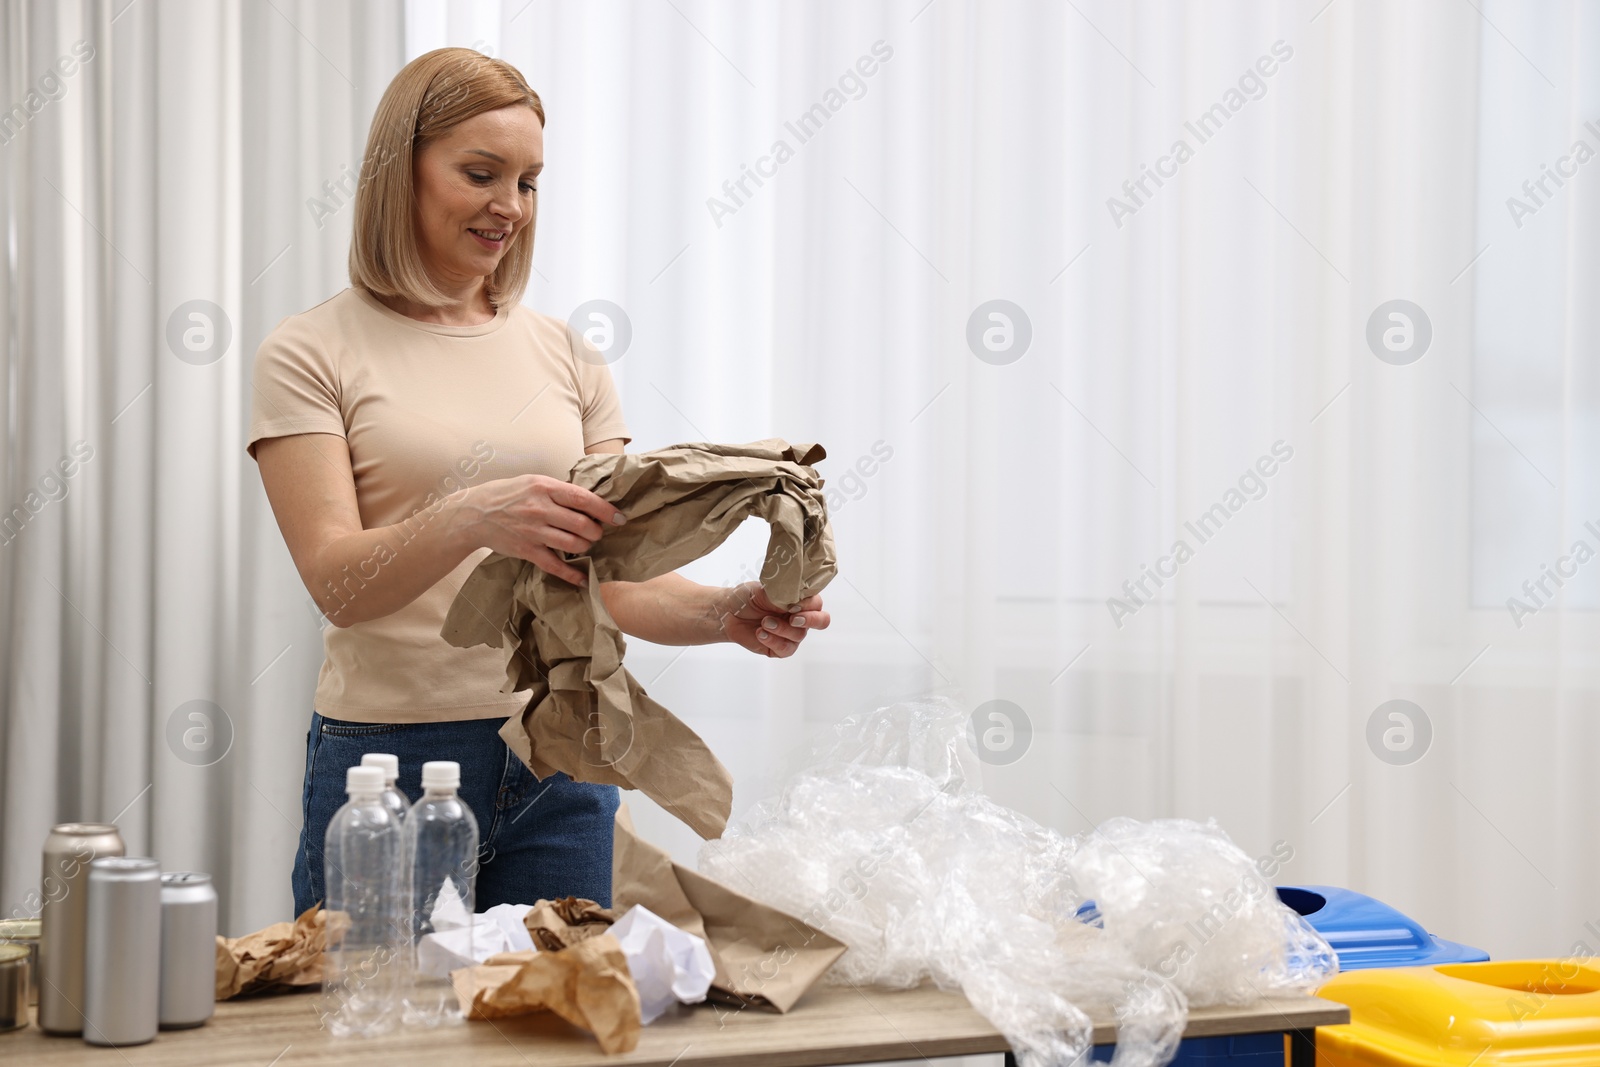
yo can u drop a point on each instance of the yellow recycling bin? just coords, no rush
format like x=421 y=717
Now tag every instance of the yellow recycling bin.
x=1531 y=1013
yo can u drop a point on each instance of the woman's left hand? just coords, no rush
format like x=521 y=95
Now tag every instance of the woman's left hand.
x=755 y=622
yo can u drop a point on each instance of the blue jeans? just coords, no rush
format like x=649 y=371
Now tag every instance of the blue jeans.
x=537 y=838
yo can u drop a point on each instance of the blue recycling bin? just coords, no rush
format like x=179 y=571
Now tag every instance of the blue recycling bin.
x=1368 y=933
x=1237 y=1050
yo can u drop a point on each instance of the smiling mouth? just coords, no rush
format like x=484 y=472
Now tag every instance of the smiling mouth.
x=489 y=235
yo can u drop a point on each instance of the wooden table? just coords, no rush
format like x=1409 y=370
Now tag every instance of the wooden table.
x=831 y=1025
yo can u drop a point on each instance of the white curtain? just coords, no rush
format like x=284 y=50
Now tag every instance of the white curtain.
x=991 y=501
x=176 y=164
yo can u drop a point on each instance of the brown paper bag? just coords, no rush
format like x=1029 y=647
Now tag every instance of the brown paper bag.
x=282 y=956
x=587 y=984
x=764 y=957
x=587 y=716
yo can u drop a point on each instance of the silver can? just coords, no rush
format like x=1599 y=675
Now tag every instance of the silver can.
x=188 y=949
x=13 y=987
x=64 y=889
x=24 y=932
x=122 y=952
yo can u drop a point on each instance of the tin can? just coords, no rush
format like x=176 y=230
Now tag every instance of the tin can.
x=122 y=952
x=68 y=851
x=13 y=987
x=24 y=932
x=188 y=949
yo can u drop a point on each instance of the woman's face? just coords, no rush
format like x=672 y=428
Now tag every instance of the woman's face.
x=475 y=192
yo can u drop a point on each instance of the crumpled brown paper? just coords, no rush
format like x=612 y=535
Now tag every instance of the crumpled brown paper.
x=764 y=957
x=559 y=924
x=587 y=715
x=284 y=955
x=586 y=983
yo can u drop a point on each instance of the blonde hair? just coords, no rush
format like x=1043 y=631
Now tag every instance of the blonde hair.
x=431 y=95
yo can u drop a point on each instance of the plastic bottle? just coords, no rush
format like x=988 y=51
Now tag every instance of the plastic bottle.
x=393 y=799
x=362 y=876
x=399 y=806
x=441 y=843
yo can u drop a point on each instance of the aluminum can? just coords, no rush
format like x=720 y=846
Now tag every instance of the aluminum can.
x=13 y=987
x=122 y=952
x=24 y=932
x=188 y=949
x=64 y=887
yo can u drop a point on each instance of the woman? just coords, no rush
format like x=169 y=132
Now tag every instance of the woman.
x=423 y=418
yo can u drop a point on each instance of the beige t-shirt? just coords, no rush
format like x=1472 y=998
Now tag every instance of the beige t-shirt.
x=426 y=410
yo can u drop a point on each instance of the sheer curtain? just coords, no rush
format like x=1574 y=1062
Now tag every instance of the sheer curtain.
x=959 y=244
x=161 y=214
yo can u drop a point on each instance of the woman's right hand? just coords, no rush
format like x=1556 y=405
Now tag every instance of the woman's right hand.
x=533 y=517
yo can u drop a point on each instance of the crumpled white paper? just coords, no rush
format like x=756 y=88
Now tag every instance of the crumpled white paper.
x=456 y=943
x=667 y=964
x=449 y=911
x=509 y=918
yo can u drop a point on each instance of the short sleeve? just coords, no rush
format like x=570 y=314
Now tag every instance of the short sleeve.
x=294 y=386
x=597 y=394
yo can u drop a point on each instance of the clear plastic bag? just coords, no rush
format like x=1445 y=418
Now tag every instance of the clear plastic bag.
x=1191 y=906
x=887 y=842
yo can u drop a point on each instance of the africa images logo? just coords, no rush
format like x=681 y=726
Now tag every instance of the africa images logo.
x=1251 y=86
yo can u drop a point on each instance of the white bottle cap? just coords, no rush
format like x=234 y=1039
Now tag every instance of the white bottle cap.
x=441 y=774
x=389 y=763
x=363 y=780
